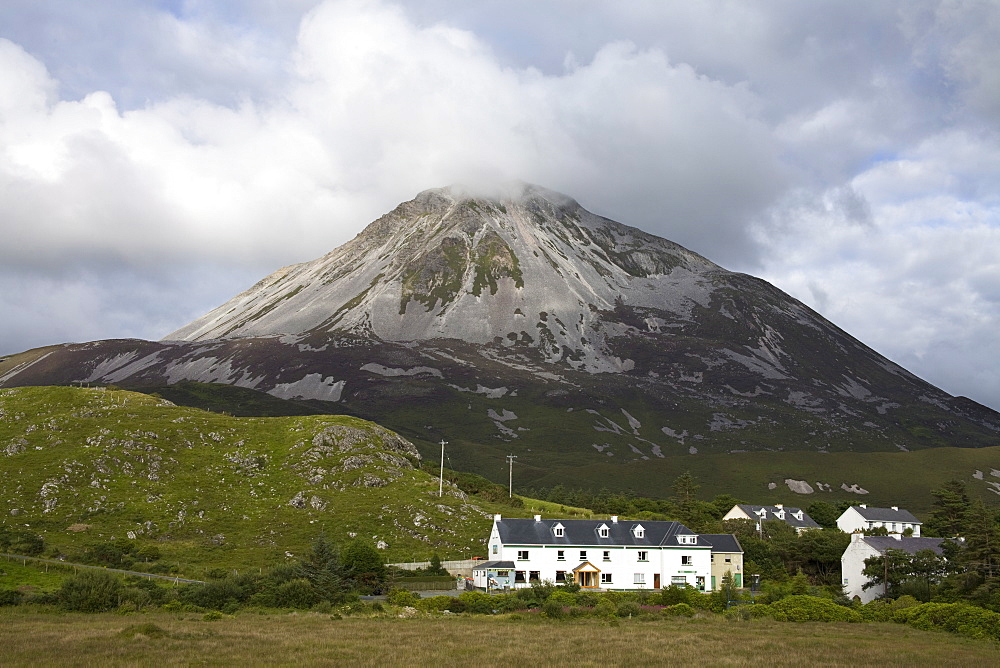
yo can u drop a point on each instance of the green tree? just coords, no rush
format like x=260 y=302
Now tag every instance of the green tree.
x=982 y=541
x=323 y=569
x=363 y=563
x=950 y=515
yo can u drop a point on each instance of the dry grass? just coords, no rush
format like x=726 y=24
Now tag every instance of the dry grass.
x=32 y=638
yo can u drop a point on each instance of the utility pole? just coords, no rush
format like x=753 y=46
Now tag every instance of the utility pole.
x=510 y=460
x=441 y=479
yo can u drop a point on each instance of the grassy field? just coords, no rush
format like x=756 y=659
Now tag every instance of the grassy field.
x=34 y=638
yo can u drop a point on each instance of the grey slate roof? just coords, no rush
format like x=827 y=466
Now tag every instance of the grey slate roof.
x=494 y=565
x=908 y=544
x=722 y=542
x=771 y=514
x=886 y=515
x=516 y=531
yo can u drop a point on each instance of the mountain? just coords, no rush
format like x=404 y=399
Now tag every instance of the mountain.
x=520 y=323
x=83 y=466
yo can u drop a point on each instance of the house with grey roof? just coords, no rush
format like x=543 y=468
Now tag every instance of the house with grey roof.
x=796 y=518
x=852 y=562
x=893 y=520
x=727 y=557
x=599 y=554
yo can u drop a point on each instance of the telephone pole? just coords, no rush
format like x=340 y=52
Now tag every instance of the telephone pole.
x=441 y=479
x=510 y=460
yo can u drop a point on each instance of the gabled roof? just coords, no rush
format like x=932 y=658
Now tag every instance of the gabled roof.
x=494 y=565
x=907 y=544
x=723 y=542
x=771 y=514
x=516 y=531
x=886 y=514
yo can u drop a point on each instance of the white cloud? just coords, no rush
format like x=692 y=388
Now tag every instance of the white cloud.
x=848 y=152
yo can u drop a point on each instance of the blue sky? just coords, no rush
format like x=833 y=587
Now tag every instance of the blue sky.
x=158 y=157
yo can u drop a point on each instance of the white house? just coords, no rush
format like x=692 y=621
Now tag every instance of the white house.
x=852 y=562
x=599 y=554
x=894 y=520
x=793 y=517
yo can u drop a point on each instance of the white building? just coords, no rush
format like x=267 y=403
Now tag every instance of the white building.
x=793 y=517
x=599 y=554
x=852 y=562
x=893 y=520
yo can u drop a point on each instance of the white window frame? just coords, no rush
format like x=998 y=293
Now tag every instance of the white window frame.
x=607 y=555
x=522 y=555
x=560 y=555
x=583 y=555
x=639 y=579
x=687 y=560
x=643 y=555
x=606 y=579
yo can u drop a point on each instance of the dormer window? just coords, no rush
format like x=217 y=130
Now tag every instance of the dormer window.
x=799 y=515
x=687 y=539
x=638 y=531
x=559 y=530
x=603 y=531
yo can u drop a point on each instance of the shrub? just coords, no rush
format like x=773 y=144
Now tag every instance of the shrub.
x=508 y=603
x=564 y=598
x=804 y=608
x=433 y=603
x=91 y=591
x=477 y=602
x=628 y=609
x=403 y=598
x=10 y=597
x=553 y=609
x=678 y=610
x=295 y=594
x=605 y=608
x=960 y=618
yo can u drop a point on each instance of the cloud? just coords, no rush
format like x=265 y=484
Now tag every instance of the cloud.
x=847 y=152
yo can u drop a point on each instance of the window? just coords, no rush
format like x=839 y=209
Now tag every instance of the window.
x=522 y=555
x=729 y=559
x=496 y=549
x=678 y=580
x=559 y=530
x=685 y=560
x=687 y=539
x=643 y=555
x=605 y=578
x=518 y=576
x=560 y=555
x=711 y=558
x=603 y=531
x=503 y=574
x=583 y=555
x=640 y=578
x=534 y=576
x=639 y=531
x=560 y=576
x=607 y=555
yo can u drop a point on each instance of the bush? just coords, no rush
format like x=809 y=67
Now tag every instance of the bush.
x=960 y=618
x=678 y=610
x=403 y=598
x=10 y=597
x=91 y=591
x=433 y=603
x=295 y=594
x=803 y=608
x=553 y=609
x=477 y=602
x=605 y=608
x=628 y=609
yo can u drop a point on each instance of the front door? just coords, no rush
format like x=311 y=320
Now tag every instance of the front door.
x=656 y=580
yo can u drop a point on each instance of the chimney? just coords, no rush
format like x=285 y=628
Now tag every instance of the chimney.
x=896 y=508
x=897 y=536
x=497 y=517
x=779 y=506
x=862 y=505
x=538 y=518
x=614 y=519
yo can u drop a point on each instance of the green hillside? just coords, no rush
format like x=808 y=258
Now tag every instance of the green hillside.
x=88 y=467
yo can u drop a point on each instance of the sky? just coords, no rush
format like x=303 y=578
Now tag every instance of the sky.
x=159 y=156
